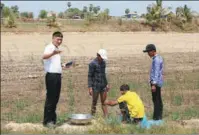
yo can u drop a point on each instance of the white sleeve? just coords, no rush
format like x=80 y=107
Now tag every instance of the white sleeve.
x=48 y=50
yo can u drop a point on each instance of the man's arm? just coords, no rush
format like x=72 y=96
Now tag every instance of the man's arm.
x=106 y=82
x=105 y=79
x=67 y=65
x=111 y=103
x=156 y=68
x=90 y=76
x=47 y=56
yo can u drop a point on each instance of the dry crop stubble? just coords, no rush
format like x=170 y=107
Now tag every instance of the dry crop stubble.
x=23 y=86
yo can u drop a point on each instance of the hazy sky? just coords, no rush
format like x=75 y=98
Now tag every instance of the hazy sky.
x=117 y=8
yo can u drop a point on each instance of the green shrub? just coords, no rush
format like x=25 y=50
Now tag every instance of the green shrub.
x=10 y=21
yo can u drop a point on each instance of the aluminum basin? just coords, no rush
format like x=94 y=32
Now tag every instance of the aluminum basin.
x=80 y=118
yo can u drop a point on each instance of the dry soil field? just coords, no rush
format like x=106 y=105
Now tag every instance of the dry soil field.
x=22 y=74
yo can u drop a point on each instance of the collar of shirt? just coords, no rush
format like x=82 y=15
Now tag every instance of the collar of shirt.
x=54 y=45
x=98 y=61
x=126 y=92
x=154 y=56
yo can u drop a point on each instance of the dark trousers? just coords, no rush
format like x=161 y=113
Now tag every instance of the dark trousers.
x=94 y=102
x=126 y=116
x=53 y=87
x=158 y=105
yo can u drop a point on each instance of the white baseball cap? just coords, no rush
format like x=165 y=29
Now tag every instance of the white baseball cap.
x=103 y=54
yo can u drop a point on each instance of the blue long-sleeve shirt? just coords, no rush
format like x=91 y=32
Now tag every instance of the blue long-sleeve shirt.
x=156 y=74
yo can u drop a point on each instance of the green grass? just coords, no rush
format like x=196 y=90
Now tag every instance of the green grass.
x=112 y=126
x=186 y=113
x=135 y=85
x=31 y=117
x=70 y=90
x=21 y=104
x=197 y=83
x=177 y=100
x=62 y=118
x=113 y=93
x=10 y=116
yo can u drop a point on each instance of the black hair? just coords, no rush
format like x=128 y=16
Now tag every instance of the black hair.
x=124 y=87
x=57 y=34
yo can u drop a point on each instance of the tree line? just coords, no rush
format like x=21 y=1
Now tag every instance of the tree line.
x=156 y=14
x=69 y=13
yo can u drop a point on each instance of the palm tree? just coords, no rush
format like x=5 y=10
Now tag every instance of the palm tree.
x=107 y=11
x=159 y=3
x=69 y=4
x=98 y=8
x=156 y=14
x=85 y=9
x=187 y=13
x=127 y=11
x=2 y=6
x=43 y=14
x=104 y=16
x=91 y=7
x=95 y=10
x=184 y=13
x=179 y=12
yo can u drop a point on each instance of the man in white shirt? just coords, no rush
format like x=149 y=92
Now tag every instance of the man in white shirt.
x=53 y=69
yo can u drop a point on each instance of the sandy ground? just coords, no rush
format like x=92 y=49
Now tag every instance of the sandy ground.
x=67 y=128
x=32 y=127
x=87 y=44
x=124 y=51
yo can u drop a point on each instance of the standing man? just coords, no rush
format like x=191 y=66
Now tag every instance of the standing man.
x=156 y=80
x=97 y=82
x=53 y=69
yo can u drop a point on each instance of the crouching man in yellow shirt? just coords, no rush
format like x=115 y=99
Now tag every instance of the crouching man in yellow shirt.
x=130 y=104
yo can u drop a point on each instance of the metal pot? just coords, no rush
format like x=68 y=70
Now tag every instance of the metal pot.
x=80 y=118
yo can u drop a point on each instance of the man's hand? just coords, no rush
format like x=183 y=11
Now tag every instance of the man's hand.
x=124 y=122
x=107 y=88
x=90 y=90
x=64 y=66
x=56 y=52
x=47 y=56
x=153 y=88
x=106 y=91
x=106 y=102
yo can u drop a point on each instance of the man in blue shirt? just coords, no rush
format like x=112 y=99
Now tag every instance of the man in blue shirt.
x=156 y=80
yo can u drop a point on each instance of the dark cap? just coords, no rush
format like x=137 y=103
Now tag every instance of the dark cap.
x=150 y=47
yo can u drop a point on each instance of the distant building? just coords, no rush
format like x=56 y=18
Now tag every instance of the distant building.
x=195 y=14
x=167 y=12
x=51 y=13
x=132 y=15
x=76 y=17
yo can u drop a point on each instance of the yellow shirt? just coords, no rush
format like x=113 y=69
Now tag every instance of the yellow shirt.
x=134 y=104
